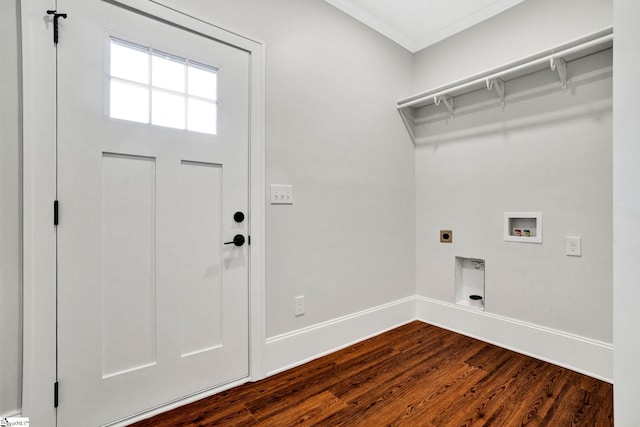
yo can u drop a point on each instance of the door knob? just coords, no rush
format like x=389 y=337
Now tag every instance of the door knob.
x=238 y=217
x=238 y=240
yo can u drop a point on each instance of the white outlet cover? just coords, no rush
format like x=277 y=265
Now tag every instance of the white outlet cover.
x=574 y=246
x=281 y=194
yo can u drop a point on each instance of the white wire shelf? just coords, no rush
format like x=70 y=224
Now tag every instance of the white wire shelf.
x=494 y=79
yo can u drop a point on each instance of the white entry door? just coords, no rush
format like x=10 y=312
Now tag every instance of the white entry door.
x=152 y=169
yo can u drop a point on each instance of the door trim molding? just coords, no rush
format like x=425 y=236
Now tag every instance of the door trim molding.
x=39 y=192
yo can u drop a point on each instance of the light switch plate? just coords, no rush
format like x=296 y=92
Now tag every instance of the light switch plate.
x=299 y=300
x=281 y=194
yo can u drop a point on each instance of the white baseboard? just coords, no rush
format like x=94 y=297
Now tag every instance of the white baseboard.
x=294 y=348
x=587 y=356
x=285 y=351
x=584 y=355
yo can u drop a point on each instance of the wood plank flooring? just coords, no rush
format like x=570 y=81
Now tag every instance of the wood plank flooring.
x=414 y=375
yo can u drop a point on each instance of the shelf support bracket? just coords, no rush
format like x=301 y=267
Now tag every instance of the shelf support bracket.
x=448 y=102
x=498 y=85
x=560 y=65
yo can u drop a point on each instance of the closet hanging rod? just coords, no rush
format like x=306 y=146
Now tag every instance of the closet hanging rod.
x=550 y=59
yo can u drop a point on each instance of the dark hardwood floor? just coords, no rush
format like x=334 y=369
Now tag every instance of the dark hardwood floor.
x=414 y=375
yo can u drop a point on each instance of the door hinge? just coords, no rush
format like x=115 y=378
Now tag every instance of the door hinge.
x=56 y=16
x=55 y=394
x=249 y=240
x=55 y=212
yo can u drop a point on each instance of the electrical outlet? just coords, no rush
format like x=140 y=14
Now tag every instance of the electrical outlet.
x=574 y=246
x=281 y=194
x=299 y=301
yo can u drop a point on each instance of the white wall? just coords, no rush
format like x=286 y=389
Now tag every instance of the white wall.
x=547 y=151
x=626 y=212
x=347 y=243
x=10 y=214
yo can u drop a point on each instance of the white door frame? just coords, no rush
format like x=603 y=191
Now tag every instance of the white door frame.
x=39 y=192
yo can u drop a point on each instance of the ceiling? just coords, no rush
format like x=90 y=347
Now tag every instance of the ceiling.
x=416 y=24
